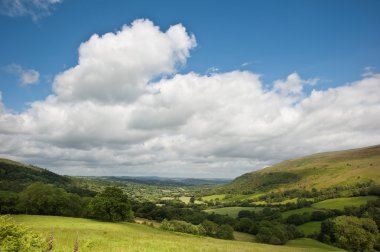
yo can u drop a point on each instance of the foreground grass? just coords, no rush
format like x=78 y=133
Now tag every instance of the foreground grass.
x=232 y=211
x=341 y=203
x=97 y=236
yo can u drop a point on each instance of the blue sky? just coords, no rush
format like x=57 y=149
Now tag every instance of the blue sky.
x=330 y=40
x=189 y=89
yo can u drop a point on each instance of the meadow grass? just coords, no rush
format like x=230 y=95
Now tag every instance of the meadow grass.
x=232 y=211
x=309 y=228
x=95 y=236
x=310 y=243
x=341 y=203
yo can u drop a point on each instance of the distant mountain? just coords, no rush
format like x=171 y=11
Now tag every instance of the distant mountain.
x=320 y=170
x=155 y=180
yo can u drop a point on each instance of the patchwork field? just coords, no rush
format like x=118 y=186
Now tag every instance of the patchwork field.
x=228 y=198
x=341 y=203
x=98 y=236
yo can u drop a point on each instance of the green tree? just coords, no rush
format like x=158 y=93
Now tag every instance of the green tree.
x=111 y=205
x=225 y=231
x=40 y=198
x=244 y=225
x=351 y=233
x=192 y=200
x=8 y=202
x=15 y=237
x=210 y=227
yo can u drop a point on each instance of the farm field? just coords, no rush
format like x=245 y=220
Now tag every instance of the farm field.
x=309 y=228
x=98 y=236
x=341 y=203
x=232 y=211
x=227 y=198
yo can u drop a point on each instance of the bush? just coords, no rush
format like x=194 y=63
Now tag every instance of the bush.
x=276 y=233
x=320 y=215
x=183 y=227
x=351 y=233
x=15 y=237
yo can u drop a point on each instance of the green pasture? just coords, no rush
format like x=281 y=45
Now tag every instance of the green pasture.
x=309 y=228
x=341 y=203
x=95 y=236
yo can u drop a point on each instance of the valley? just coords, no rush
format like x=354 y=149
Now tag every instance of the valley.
x=275 y=206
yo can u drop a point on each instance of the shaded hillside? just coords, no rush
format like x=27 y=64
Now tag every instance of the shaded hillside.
x=15 y=176
x=320 y=170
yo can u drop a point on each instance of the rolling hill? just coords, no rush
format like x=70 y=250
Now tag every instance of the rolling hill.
x=318 y=171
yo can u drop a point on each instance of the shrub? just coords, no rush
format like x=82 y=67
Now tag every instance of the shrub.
x=183 y=227
x=15 y=237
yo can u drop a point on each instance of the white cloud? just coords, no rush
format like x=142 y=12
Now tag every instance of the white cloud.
x=107 y=117
x=293 y=85
x=33 y=8
x=117 y=66
x=26 y=76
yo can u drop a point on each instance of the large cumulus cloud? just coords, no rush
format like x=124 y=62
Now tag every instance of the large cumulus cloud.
x=123 y=109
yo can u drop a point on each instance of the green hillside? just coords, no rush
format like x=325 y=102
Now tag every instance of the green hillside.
x=318 y=171
x=102 y=236
x=15 y=176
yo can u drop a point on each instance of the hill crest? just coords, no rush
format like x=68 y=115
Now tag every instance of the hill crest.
x=321 y=170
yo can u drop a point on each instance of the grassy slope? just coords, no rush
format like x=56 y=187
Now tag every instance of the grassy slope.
x=319 y=170
x=97 y=236
x=310 y=243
